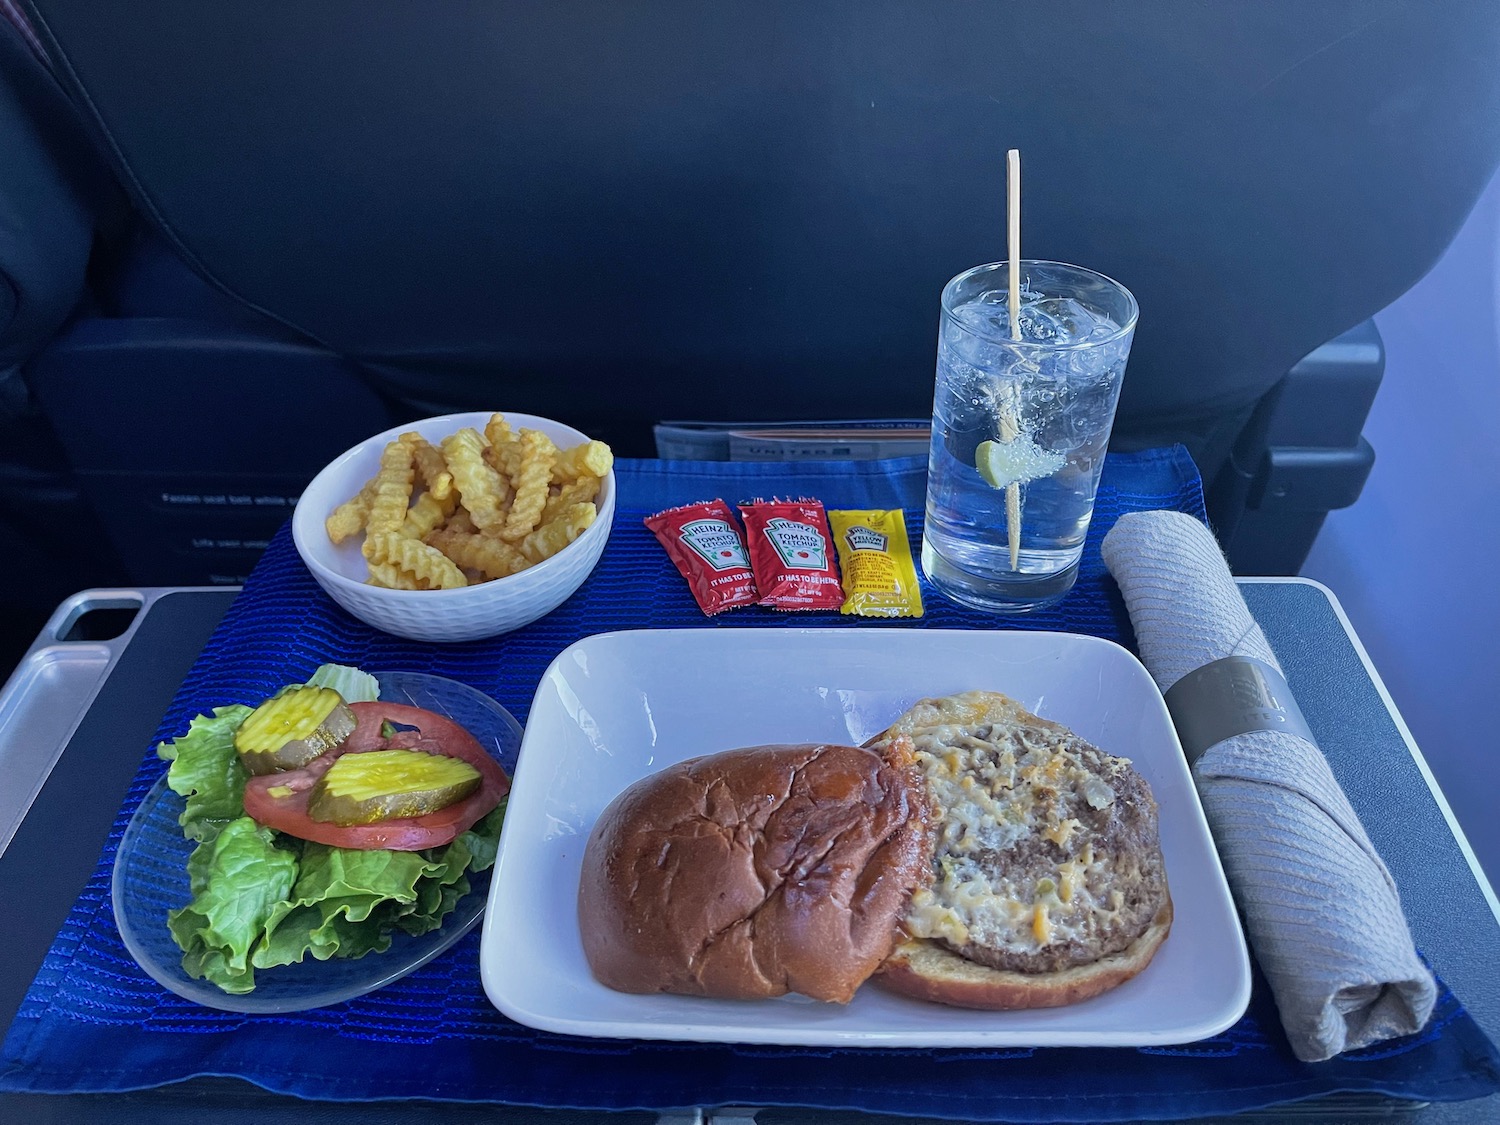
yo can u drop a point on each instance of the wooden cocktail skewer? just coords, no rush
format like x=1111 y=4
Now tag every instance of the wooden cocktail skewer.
x=1009 y=427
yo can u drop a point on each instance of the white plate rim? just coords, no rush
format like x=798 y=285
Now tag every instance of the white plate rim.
x=1235 y=952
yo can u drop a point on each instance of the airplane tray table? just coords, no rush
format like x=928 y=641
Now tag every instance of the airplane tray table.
x=116 y=692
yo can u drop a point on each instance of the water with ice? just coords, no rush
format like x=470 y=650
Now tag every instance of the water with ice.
x=1057 y=388
x=1053 y=321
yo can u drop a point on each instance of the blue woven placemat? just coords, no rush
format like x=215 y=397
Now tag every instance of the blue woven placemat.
x=93 y=1021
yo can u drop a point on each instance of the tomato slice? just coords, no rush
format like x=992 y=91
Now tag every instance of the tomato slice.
x=279 y=800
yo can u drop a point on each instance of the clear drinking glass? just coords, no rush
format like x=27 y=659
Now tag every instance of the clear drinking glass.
x=1020 y=428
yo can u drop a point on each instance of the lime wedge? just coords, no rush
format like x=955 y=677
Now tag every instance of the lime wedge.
x=1004 y=463
x=991 y=461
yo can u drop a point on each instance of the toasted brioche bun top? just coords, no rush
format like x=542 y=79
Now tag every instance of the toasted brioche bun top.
x=755 y=872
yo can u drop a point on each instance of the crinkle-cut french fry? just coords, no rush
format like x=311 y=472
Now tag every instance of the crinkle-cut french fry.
x=579 y=491
x=590 y=458
x=507 y=459
x=426 y=515
x=428 y=564
x=430 y=465
x=349 y=517
x=493 y=558
x=460 y=520
x=531 y=480
x=392 y=492
x=392 y=577
x=481 y=490
x=497 y=430
x=504 y=447
x=553 y=536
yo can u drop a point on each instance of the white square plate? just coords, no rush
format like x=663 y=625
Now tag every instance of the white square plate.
x=618 y=706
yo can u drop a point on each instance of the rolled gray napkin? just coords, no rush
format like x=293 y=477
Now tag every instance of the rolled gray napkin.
x=1321 y=909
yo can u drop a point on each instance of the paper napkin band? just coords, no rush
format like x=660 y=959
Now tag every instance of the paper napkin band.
x=1229 y=697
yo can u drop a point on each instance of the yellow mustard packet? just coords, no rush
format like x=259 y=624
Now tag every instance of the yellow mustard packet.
x=880 y=579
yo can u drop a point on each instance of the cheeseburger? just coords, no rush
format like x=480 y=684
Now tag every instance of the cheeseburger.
x=972 y=854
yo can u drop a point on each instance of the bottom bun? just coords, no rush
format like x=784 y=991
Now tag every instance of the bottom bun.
x=929 y=971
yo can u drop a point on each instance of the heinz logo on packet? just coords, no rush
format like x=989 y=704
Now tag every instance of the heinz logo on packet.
x=800 y=545
x=716 y=542
x=861 y=538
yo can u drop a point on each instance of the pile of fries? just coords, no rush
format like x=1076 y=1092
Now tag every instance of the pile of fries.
x=473 y=508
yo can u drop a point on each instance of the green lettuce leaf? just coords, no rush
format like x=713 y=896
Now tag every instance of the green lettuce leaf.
x=434 y=902
x=354 y=685
x=347 y=927
x=438 y=893
x=347 y=902
x=207 y=772
x=483 y=840
x=238 y=878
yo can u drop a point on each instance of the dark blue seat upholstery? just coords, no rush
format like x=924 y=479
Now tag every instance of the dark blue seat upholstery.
x=364 y=212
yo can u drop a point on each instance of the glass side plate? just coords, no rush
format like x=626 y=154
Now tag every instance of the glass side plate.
x=150 y=878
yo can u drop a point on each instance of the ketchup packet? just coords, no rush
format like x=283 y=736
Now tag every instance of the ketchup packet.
x=791 y=553
x=704 y=542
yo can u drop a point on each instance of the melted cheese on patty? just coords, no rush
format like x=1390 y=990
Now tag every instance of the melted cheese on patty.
x=1043 y=854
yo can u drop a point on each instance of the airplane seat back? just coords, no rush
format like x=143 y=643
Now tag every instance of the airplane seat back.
x=734 y=211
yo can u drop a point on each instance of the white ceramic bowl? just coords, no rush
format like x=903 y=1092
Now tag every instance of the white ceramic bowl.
x=485 y=610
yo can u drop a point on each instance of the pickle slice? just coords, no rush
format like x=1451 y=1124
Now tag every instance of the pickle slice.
x=376 y=785
x=292 y=728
